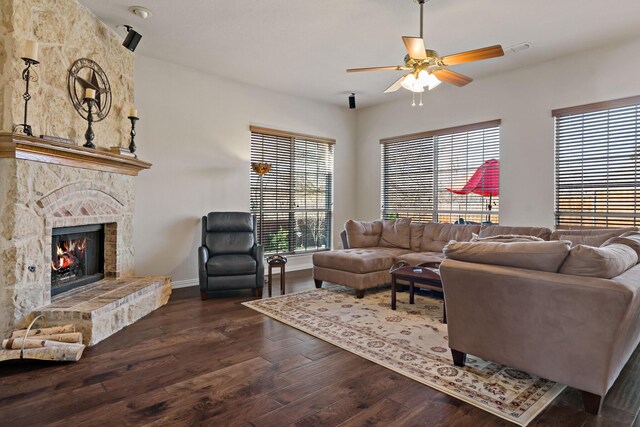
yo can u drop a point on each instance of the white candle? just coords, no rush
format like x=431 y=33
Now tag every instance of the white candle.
x=89 y=93
x=133 y=112
x=31 y=49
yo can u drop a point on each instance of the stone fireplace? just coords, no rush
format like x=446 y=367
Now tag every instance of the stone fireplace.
x=46 y=187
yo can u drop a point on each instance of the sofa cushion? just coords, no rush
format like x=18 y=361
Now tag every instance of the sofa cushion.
x=631 y=239
x=363 y=234
x=229 y=265
x=416 y=229
x=416 y=258
x=396 y=233
x=495 y=230
x=595 y=240
x=542 y=256
x=436 y=235
x=229 y=221
x=592 y=237
x=506 y=238
x=236 y=242
x=605 y=262
x=361 y=260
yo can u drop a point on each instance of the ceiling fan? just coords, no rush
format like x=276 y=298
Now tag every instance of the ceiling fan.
x=428 y=69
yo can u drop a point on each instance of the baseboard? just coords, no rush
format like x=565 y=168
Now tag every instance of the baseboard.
x=296 y=267
x=177 y=284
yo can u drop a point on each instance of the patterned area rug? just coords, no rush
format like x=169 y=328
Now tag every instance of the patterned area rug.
x=413 y=342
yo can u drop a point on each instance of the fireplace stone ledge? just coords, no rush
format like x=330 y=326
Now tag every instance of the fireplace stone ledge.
x=101 y=309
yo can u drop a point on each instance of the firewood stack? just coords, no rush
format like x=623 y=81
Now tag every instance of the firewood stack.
x=59 y=343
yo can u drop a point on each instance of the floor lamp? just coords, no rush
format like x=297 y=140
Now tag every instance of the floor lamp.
x=261 y=168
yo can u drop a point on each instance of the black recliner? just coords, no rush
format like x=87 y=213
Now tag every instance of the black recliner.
x=230 y=257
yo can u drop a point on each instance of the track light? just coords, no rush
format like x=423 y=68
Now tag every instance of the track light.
x=132 y=39
x=352 y=101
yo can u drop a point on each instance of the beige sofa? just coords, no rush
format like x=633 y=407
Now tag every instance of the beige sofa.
x=567 y=313
x=371 y=248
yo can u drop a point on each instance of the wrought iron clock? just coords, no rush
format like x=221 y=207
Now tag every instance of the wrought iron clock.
x=87 y=74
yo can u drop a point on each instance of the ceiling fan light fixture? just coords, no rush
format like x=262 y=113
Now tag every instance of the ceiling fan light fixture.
x=409 y=81
x=433 y=82
x=427 y=79
x=412 y=84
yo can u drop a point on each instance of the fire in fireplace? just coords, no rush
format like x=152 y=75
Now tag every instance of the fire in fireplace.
x=77 y=257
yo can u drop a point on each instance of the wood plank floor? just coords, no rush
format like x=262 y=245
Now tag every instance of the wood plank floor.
x=217 y=362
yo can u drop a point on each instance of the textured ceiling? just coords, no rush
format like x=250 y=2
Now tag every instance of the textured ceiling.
x=302 y=47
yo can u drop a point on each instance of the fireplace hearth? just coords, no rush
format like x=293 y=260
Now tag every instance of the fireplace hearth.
x=77 y=257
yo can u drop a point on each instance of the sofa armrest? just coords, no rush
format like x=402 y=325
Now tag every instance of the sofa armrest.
x=203 y=257
x=557 y=326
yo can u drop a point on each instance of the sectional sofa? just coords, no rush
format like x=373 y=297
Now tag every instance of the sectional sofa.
x=371 y=248
x=562 y=305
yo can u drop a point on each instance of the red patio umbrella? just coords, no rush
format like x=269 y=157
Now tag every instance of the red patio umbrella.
x=485 y=181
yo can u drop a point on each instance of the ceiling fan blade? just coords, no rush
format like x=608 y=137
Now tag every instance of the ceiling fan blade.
x=392 y=67
x=452 y=77
x=415 y=47
x=472 y=55
x=396 y=85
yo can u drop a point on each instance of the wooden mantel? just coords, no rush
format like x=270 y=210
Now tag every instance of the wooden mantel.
x=18 y=146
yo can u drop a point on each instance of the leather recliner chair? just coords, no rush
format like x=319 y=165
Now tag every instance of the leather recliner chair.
x=230 y=257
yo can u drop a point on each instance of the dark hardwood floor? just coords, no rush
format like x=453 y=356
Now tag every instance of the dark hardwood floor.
x=216 y=362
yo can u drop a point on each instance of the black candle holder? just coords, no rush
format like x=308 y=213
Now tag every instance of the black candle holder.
x=28 y=75
x=132 y=144
x=89 y=135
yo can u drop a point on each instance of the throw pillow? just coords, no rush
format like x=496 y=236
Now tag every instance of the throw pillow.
x=541 y=256
x=506 y=238
x=396 y=233
x=631 y=239
x=595 y=240
x=494 y=230
x=605 y=262
x=609 y=232
x=363 y=234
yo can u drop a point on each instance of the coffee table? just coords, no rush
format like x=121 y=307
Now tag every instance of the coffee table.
x=423 y=276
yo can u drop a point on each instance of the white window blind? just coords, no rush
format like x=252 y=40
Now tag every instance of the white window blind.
x=408 y=179
x=417 y=170
x=297 y=193
x=597 y=179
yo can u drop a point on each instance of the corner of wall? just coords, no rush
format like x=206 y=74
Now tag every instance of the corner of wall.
x=6 y=82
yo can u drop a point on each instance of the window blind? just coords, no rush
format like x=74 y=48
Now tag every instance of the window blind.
x=597 y=179
x=297 y=193
x=459 y=155
x=408 y=179
x=417 y=169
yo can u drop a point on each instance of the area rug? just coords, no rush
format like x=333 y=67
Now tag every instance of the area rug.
x=413 y=342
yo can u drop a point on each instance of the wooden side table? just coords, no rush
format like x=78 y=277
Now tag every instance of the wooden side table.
x=276 y=261
x=425 y=276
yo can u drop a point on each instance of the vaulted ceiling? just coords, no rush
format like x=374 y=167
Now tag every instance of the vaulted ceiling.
x=303 y=47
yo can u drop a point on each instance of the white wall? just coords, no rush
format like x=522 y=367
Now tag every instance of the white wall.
x=194 y=128
x=523 y=99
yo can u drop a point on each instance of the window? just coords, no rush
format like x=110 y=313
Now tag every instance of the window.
x=597 y=179
x=419 y=170
x=297 y=193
